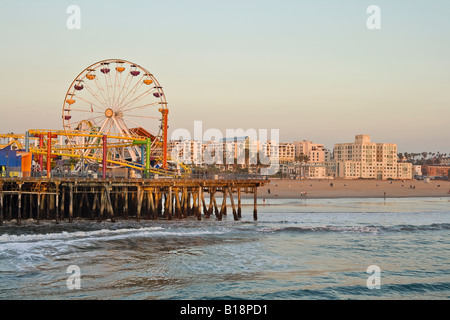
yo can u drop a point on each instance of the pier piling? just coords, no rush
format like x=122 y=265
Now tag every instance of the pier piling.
x=1 y=205
x=255 y=203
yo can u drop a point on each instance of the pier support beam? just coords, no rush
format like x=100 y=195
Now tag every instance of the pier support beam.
x=125 y=203
x=230 y=191
x=102 y=206
x=216 y=208
x=184 y=200
x=109 y=206
x=168 y=204
x=10 y=207
x=38 y=207
x=178 y=213
x=239 y=213
x=223 y=209
x=19 y=205
x=255 y=203
x=151 y=200
x=211 y=203
x=63 y=204
x=70 y=204
x=1 y=205
x=57 y=204
x=199 y=207
x=140 y=195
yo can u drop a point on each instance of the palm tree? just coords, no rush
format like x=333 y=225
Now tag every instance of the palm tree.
x=304 y=159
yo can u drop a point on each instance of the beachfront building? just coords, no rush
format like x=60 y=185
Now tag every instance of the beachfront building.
x=270 y=150
x=315 y=171
x=186 y=151
x=417 y=170
x=240 y=151
x=213 y=153
x=228 y=153
x=405 y=170
x=286 y=152
x=387 y=161
x=318 y=163
x=356 y=159
x=369 y=160
x=317 y=153
x=436 y=171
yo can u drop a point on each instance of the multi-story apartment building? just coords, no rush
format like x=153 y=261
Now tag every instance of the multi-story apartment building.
x=405 y=170
x=186 y=151
x=317 y=153
x=366 y=159
x=436 y=170
x=356 y=159
x=387 y=162
x=241 y=151
x=286 y=151
x=315 y=171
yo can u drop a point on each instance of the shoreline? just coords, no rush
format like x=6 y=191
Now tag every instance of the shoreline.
x=331 y=189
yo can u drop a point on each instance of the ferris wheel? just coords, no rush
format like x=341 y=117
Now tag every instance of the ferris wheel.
x=117 y=98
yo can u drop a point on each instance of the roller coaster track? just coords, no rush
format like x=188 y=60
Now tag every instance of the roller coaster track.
x=123 y=163
x=68 y=150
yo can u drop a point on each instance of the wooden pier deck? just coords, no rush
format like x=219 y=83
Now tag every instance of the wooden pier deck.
x=66 y=199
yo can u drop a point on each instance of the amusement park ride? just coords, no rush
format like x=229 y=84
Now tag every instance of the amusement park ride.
x=114 y=115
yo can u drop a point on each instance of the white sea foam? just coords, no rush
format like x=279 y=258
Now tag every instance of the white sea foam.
x=72 y=235
x=106 y=234
x=323 y=228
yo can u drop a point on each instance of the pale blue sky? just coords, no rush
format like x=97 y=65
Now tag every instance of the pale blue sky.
x=309 y=68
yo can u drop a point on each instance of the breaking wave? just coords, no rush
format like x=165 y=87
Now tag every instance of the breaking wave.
x=107 y=234
x=359 y=229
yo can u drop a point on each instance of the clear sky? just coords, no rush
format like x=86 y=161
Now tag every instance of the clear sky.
x=310 y=68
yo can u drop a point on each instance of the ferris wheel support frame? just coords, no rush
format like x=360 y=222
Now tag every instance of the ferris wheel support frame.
x=165 y=113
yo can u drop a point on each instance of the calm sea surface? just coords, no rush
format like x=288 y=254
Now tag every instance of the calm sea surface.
x=298 y=249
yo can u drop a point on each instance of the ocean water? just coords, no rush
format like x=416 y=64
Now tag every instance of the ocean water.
x=298 y=249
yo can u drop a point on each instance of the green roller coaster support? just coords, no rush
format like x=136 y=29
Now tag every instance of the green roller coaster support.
x=148 y=145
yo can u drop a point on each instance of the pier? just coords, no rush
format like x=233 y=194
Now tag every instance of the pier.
x=67 y=199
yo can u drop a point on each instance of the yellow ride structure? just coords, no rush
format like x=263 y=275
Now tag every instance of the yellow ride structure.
x=89 y=152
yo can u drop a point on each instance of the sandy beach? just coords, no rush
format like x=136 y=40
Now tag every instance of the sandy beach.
x=297 y=189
